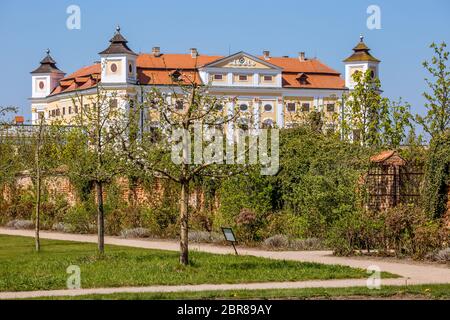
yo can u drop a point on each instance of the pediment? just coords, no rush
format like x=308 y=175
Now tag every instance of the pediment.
x=242 y=60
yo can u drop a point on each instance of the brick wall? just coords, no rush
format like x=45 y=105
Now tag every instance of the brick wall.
x=131 y=193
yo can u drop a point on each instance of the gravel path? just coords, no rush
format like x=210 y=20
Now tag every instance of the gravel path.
x=411 y=272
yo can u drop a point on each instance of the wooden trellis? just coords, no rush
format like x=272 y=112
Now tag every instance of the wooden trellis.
x=391 y=181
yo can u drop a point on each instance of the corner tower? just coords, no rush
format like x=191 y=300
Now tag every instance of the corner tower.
x=118 y=61
x=43 y=80
x=360 y=60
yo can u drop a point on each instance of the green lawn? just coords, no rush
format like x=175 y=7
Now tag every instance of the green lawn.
x=22 y=269
x=387 y=292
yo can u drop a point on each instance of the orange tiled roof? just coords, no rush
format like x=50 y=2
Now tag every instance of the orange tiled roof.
x=156 y=70
x=85 y=71
x=173 y=61
x=163 y=77
x=295 y=65
x=319 y=81
x=382 y=156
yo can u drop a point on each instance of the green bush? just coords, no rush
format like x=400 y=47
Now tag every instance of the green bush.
x=404 y=230
x=81 y=218
x=437 y=176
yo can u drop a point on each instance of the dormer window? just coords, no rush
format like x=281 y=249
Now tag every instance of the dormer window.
x=302 y=78
x=176 y=76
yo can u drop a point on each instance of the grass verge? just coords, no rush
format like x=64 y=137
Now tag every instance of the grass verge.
x=22 y=269
x=387 y=292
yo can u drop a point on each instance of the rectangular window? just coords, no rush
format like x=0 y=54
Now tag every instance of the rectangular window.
x=70 y=110
x=243 y=78
x=305 y=107
x=179 y=105
x=76 y=109
x=86 y=108
x=330 y=107
x=58 y=112
x=218 y=77
x=64 y=111
x=291 y=106
x=268 y=78
x=53 y=113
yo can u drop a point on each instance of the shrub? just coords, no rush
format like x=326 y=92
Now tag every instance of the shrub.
x=61 y=227
x=161 y=221
x=21 y=224
x=124 y=217
x=428 y=236
x=205 y=236
x=442 y=255
x=278 y=241
x=306 y=244
x=135 y=233
x=21 y=207
x=437 y=176
x=247 y=225
x=81 y=218
x=355 y=230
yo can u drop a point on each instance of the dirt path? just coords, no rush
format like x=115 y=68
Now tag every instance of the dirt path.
x=411 y=272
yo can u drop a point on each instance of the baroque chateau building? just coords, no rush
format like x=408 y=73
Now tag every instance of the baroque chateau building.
x=272 y=90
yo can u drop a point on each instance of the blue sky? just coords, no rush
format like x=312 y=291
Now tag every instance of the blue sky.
x=326 y=29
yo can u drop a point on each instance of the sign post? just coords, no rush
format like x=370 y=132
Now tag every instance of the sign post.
x=230 y=237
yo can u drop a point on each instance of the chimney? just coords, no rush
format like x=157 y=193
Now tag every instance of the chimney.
x=194 y=53
x=301 y=56
x=266 y=54
x=156 y=51
x=19 y=120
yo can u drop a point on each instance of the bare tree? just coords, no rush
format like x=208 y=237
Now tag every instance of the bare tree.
x=4 y=111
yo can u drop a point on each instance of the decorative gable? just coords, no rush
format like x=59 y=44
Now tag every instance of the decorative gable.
x=242 y=60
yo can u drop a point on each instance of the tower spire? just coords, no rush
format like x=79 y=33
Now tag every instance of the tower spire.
x=118 y=44
x=48 y=64
x=361 y=52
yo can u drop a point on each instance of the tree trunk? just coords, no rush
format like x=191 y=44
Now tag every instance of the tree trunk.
x=100 y=218
x=184 y=222
x=38 y=204
x=37 y=241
